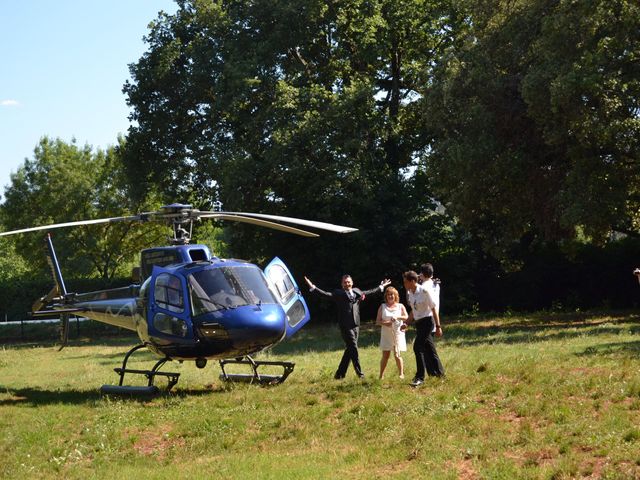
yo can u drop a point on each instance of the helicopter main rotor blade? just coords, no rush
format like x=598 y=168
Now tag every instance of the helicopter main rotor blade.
x=261 y=223
x=298 y=221
x=73 y=224
x=183 y=214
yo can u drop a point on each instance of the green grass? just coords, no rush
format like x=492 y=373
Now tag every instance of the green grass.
x=542 y=396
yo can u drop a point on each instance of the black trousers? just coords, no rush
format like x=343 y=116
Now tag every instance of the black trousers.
x=350 y=337
x=424 y=347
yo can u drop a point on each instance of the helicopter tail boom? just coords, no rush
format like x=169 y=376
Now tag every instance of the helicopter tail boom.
x=113 y=306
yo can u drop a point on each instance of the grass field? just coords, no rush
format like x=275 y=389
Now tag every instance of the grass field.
x=540 y=396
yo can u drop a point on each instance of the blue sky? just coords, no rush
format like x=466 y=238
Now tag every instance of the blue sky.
x=62 y=67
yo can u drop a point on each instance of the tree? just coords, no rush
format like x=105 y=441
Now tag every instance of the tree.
x=304 y=108
x=11 y=264
x=536 y=121
x=65 y=183
x=585 y=96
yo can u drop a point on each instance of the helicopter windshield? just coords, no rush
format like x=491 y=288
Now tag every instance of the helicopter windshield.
x=228 y=287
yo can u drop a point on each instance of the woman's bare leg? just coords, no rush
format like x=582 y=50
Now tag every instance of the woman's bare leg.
x=383 y=362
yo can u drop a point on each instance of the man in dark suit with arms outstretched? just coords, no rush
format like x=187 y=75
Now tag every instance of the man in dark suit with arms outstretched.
x=347 y=300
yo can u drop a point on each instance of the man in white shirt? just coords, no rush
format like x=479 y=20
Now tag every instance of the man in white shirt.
x=424 y=314
x=425 y=278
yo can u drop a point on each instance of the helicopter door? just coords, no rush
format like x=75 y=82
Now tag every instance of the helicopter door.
x=168 y=311
x=288 y=295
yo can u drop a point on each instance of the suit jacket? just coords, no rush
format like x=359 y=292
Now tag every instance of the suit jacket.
x=348 y=310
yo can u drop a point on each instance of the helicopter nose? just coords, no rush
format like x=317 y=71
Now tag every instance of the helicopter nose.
x=248 y=329
x=254 y=329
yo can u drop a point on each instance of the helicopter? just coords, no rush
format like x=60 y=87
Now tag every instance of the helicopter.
x=189 y=305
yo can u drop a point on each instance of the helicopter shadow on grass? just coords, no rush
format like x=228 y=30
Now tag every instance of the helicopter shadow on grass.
x=36 y=396
x=39 y=397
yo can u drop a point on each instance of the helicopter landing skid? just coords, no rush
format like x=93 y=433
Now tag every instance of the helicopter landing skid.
x=150 y=389
x=256 y=377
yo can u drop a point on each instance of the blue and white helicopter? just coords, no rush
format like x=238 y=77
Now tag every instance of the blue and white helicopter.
x=190 y=305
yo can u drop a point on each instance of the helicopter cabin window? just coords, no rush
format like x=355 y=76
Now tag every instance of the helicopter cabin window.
x=223 y=288
x=168 y=293
x=296 y=313
x=282 y=281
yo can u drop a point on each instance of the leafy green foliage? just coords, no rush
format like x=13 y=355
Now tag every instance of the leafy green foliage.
x=585 y=97
x=522 y=117
x=65 y=183
x=307 y=109
x=11 y=264
x=536 y=120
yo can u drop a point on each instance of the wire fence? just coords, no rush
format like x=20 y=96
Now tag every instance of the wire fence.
x=20 y=331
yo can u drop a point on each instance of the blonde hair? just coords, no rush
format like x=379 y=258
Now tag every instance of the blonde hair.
x=396 y=295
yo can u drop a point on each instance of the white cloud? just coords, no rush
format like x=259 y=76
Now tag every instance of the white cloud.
x=9 y=103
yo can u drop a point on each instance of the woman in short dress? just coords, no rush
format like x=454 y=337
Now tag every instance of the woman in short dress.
x=391 y=317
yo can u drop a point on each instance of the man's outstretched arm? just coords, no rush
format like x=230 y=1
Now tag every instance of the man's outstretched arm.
x=313 y=288
x=379 y=288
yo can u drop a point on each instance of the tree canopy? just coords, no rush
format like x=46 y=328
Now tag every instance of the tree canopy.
x=536 y=121
x=522 y=118
x=65 y=183
x=301 y=108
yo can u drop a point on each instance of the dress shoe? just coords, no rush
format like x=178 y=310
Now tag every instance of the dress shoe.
x=416 y=382
x=338 y=377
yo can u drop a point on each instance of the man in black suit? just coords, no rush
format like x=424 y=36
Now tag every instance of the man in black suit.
x=347 y=300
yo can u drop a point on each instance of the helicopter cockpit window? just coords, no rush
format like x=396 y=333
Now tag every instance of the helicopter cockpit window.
x=228 y=287
x=168 y=293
